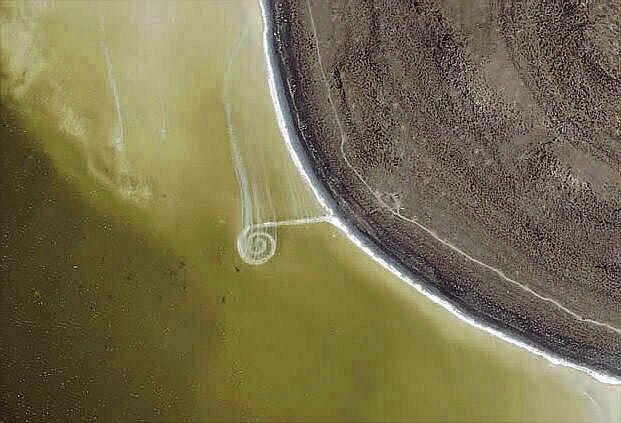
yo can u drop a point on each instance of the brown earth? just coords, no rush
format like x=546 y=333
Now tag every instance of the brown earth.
x=476 y=144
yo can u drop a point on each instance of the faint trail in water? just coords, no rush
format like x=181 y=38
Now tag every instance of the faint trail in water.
x=125 y=183
x=119 y=142
x=253 y=162
x=163 y=127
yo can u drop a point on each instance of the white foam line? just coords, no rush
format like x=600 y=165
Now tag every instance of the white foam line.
x=288 y=133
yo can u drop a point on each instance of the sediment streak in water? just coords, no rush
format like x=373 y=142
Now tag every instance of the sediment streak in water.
x=261 y=170
x=122 y=164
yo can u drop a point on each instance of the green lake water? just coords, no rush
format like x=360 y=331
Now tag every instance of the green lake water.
x=123 y=295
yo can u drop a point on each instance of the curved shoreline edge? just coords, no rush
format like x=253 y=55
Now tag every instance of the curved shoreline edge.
x=289 y=133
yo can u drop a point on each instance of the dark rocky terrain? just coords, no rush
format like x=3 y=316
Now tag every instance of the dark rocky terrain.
x=476 y=143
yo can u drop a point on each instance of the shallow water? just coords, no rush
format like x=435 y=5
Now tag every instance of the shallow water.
x=125 y=297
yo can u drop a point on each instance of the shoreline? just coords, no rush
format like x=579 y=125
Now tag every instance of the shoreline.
x=280 y=100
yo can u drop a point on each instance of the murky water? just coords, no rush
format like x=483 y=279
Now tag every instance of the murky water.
x=123 y=293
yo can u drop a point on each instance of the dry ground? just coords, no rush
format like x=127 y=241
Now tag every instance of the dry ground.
x=476 y=143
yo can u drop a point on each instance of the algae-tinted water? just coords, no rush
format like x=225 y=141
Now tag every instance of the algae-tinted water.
x=121 y=305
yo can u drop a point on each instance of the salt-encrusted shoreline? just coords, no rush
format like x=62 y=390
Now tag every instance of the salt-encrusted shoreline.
x=281 y=102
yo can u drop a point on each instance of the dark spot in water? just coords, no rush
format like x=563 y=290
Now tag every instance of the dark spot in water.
x=236 y=268
x=181 y=264
x=222 y=300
